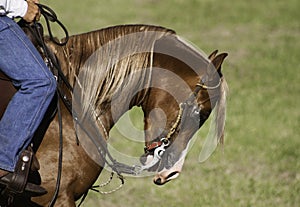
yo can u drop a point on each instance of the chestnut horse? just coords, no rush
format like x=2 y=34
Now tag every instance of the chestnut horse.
x=112 y=70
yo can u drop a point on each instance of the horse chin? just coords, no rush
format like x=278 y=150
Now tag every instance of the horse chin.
x=146 y=160
x=166 y=175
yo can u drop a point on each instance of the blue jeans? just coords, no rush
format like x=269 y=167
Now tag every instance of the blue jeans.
x=23 y=64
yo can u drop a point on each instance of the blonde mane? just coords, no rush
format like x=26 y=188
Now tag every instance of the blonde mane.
x=124 y=63
x=221 y=112
x=120 y=58
x=216 y=132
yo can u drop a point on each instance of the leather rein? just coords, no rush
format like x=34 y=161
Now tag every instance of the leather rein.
x=36 y=30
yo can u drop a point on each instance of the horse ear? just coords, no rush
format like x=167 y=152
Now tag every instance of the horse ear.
x=218 y=60
x=213 y=55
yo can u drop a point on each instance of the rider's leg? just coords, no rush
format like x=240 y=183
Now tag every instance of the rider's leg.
x=23 y=64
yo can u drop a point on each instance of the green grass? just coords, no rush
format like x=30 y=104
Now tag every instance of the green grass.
x=260 y=162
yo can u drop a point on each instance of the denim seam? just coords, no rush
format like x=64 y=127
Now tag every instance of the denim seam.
x=46 y=74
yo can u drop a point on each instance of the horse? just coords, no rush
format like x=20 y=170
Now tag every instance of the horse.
x=114 y=69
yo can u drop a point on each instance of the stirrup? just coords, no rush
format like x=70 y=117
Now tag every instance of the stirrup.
x=17 y=183
x=19 y=177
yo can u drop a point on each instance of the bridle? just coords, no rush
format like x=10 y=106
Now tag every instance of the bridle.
x=159 y=146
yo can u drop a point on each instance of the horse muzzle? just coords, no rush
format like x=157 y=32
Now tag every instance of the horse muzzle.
x=166 y=175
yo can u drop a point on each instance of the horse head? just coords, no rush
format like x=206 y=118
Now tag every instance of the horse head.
x=184 y=100
x=175 y=85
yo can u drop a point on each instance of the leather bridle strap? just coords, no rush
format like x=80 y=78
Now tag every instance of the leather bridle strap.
x=50 y=16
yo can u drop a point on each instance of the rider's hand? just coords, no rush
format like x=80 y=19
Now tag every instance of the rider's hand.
x=33 y=12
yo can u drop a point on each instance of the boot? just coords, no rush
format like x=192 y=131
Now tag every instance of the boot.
x=30 y=188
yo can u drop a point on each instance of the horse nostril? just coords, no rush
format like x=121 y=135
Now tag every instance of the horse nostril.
x=158 y=181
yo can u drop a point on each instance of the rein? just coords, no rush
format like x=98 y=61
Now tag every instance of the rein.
x=53 y=65
x=50 y=16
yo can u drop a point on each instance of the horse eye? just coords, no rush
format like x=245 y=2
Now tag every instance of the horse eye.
x=204 y=114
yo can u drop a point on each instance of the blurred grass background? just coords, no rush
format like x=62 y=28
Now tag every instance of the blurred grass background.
x=260 y=162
